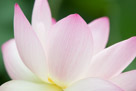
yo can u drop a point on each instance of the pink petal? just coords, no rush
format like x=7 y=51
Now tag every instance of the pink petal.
x=14 y=65
x=53 y=21
x=29 y=47
x=113 y=60
x=93 y=84
x=69 y=49
x=100 y=33
x=19 y=85
x=41 y=19
x=126 y=80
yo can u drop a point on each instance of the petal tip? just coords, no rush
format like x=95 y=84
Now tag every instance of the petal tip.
x=133 y=38
x=105 y=19
x=75 y=15
x=16 y=5
x=102 y=20
x=5 y=44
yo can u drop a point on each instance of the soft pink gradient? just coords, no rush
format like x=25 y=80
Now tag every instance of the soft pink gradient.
x=13 y=63
x=113 y=60
x=93 y=84
x=28 y=45
x=100 y=32
x=69 y=49
x=41 y=20
x=68 y=55
x=126 y=80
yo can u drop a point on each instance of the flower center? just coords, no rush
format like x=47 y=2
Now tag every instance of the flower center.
x=52 y=82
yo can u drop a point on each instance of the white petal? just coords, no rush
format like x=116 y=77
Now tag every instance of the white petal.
x=113 y=60
x=18 y=85
x=41 y=19
x=100 y=33
x=126 y=80
x=14 y=65
x=29 y=46
x=93 y=84
x=69 y=49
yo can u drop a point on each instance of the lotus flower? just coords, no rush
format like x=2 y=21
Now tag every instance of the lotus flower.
x=68 y=55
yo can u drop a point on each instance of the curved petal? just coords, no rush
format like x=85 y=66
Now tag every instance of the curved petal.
x=18 y=85
x=69 y=49
x=29 y=47
x=93 y=84
x=14 y=65
x=126 y=80
x=113 y=60
x=41 y=19
x=100 y=33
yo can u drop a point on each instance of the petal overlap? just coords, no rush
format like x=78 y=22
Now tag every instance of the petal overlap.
x=29 y=46
x=70 y=47
x=100 y=33
x=126 y=81
x=14 y=65
x=41 y=20
x=113 y=60
x=93 y=84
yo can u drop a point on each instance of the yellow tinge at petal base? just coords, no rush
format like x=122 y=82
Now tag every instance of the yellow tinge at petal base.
x=52 y=82
x=18 y=85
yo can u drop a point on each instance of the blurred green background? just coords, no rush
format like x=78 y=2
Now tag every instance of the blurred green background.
x=122 y=14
